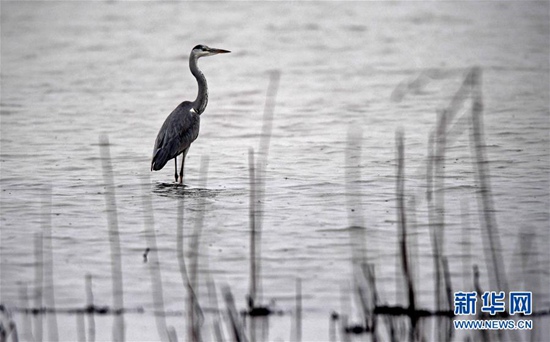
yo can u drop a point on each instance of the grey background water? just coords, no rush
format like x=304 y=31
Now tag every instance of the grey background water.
x=74 y=70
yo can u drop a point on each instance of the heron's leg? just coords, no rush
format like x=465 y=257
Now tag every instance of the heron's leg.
x=184 y=154
x=176 y=172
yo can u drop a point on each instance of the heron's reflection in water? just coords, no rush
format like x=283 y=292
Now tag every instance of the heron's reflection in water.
x=168 y=189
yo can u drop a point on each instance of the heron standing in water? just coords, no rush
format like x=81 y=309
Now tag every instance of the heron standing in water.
x=181 y=127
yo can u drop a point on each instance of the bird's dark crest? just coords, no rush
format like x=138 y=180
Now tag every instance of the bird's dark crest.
x=199 y=47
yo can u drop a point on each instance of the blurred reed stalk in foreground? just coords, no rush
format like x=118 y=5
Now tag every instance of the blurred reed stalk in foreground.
x=257 y=174
x=114 y=239
x=154 y=261
x=257 y=188
x=90 y=305
x=498 y=279
x=402 y=228
x=49 y=293
x=195 y=312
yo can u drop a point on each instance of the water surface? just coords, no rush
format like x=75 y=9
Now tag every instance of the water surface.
x=72 y=71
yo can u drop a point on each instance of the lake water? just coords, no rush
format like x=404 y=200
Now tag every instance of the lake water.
x=73 y=71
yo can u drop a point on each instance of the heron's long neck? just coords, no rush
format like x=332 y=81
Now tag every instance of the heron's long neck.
x=202 y=97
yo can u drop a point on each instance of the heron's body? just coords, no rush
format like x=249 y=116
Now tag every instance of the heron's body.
x=177 y=133
x=181 y=127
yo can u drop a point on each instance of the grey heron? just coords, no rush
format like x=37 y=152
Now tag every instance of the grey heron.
x=181 y=127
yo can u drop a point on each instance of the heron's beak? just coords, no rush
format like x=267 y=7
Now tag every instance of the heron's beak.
x=216 y=51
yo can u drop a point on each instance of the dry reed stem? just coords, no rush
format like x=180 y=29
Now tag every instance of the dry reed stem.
x=114 y=239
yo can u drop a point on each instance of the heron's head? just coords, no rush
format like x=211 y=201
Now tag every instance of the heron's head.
x=203 y=50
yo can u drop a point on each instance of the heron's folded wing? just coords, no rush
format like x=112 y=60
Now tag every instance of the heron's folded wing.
x=179 y=130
